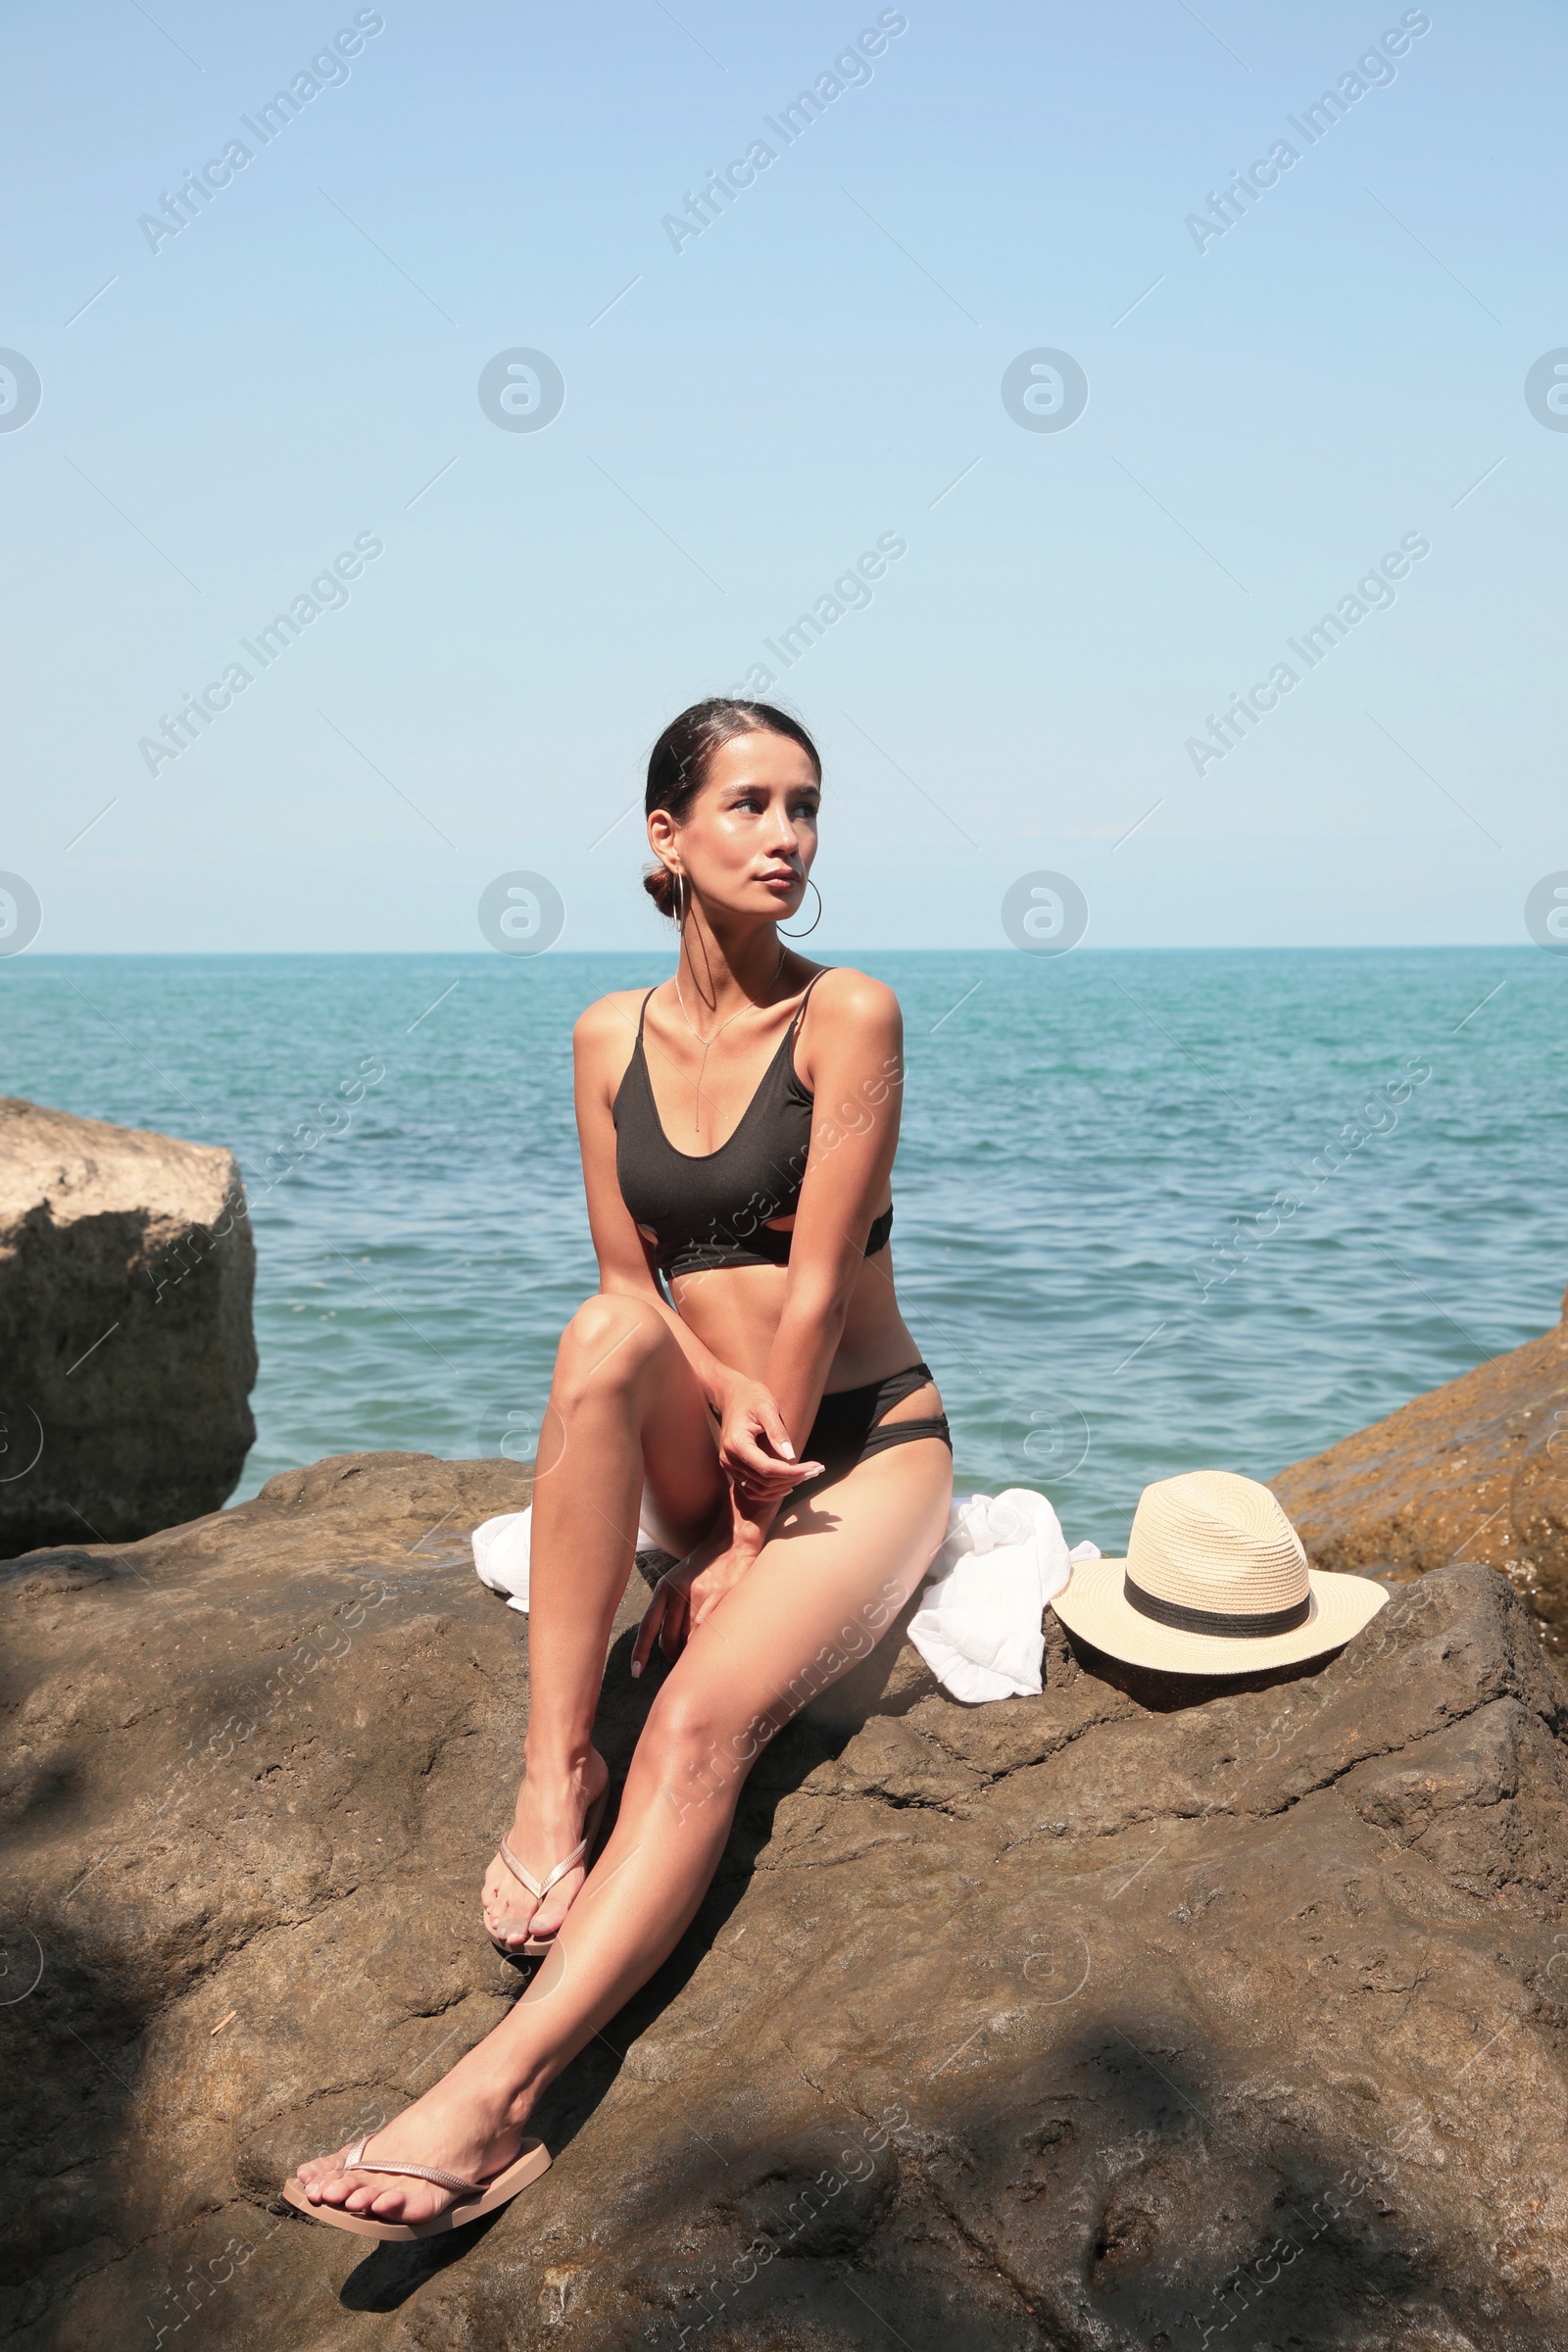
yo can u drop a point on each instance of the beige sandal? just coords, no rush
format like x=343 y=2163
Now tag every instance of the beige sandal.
x=474 y=2197
x=537 y=1945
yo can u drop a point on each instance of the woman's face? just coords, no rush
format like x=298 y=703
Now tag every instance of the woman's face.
x=750 y=836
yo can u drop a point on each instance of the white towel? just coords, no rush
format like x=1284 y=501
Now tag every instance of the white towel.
x=501 y=1549
x=978 y=1627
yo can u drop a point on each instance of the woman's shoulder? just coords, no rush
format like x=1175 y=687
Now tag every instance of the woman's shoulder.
x=851 y=1010
x=610 y=1023
x=853 y=996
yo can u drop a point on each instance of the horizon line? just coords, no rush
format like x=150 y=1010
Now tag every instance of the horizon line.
x=1417 y=947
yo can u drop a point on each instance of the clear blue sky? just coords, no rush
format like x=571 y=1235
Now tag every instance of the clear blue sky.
x=744 y=417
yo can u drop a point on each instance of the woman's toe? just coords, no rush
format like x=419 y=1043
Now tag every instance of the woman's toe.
x=502 y=1924
x=552 y=1912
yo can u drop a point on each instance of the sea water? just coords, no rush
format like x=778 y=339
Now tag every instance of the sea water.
x=1155 y=1211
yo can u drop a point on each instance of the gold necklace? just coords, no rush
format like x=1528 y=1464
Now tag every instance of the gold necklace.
x=708 y=1043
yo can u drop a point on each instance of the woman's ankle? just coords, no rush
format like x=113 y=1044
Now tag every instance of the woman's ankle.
x=521 y=2104
x=559 y=1763
x=490 y=2096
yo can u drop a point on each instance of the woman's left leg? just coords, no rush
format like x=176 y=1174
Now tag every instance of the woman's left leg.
x=819 y=1596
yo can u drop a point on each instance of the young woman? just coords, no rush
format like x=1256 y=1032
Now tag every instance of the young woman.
x=744 y=1365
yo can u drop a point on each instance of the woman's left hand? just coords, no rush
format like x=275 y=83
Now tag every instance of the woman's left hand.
x=755 y=1449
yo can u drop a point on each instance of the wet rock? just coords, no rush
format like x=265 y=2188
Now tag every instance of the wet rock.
x=1134 y=2015
x=126 y=1357
x=1476 y=1470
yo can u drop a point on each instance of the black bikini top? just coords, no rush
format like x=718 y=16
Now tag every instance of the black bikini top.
x=706 y=1212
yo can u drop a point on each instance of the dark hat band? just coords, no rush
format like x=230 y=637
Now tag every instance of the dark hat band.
x=1183 y=1620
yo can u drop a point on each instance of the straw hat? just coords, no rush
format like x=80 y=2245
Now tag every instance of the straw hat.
x=1215 y=1581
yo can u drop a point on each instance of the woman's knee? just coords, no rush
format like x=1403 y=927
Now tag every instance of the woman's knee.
x=605 y=1347
x=697 y=1746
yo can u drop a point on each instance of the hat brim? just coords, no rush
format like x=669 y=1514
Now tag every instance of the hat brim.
x=1094 y=1607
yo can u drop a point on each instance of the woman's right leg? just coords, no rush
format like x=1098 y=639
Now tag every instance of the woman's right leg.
x=625 y=1404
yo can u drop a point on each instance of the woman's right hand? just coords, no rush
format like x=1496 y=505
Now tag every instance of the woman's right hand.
x=755 y=1448
x=671 y=1614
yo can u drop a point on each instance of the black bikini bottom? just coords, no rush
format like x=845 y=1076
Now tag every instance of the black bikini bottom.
x=850 y=1426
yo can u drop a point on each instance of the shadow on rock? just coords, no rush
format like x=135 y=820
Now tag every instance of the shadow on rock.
x=71 y=2038
x=1160 y=1693
x=394 y=2272
x=1121 y=2196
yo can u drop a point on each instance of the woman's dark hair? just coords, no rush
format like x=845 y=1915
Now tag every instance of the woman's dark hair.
x=678 y=765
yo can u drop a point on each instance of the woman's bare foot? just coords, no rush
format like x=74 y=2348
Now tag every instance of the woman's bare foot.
x=458 y=2128
x=547 y=1824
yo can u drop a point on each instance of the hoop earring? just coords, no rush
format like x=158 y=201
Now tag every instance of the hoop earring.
x=680 y=912
x=811 y=925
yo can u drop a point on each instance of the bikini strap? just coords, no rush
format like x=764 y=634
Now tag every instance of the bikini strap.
x=894 y=1390
x=795 y=1025
x=643 y=1014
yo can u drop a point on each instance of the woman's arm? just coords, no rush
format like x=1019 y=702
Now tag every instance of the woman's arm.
x=856 y=1047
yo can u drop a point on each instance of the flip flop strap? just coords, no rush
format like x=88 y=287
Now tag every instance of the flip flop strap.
x=540 y=1887
x=359 y=2162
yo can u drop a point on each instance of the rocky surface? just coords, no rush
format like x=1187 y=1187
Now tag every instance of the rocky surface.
x=1474 y=1471
x=126 y=1357
x=1121 y=2017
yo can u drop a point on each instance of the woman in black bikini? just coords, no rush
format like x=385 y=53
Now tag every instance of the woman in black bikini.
x=744 y=1370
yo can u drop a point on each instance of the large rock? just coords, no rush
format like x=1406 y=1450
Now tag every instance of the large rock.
x=1474 y=1471
x=1123 y=2016
x=126 y=1357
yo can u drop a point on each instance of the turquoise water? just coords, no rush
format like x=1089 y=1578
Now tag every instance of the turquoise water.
x=1083 y=1138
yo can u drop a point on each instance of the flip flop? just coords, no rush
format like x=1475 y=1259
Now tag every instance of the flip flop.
x=474 y=2198
x=537 y=1945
